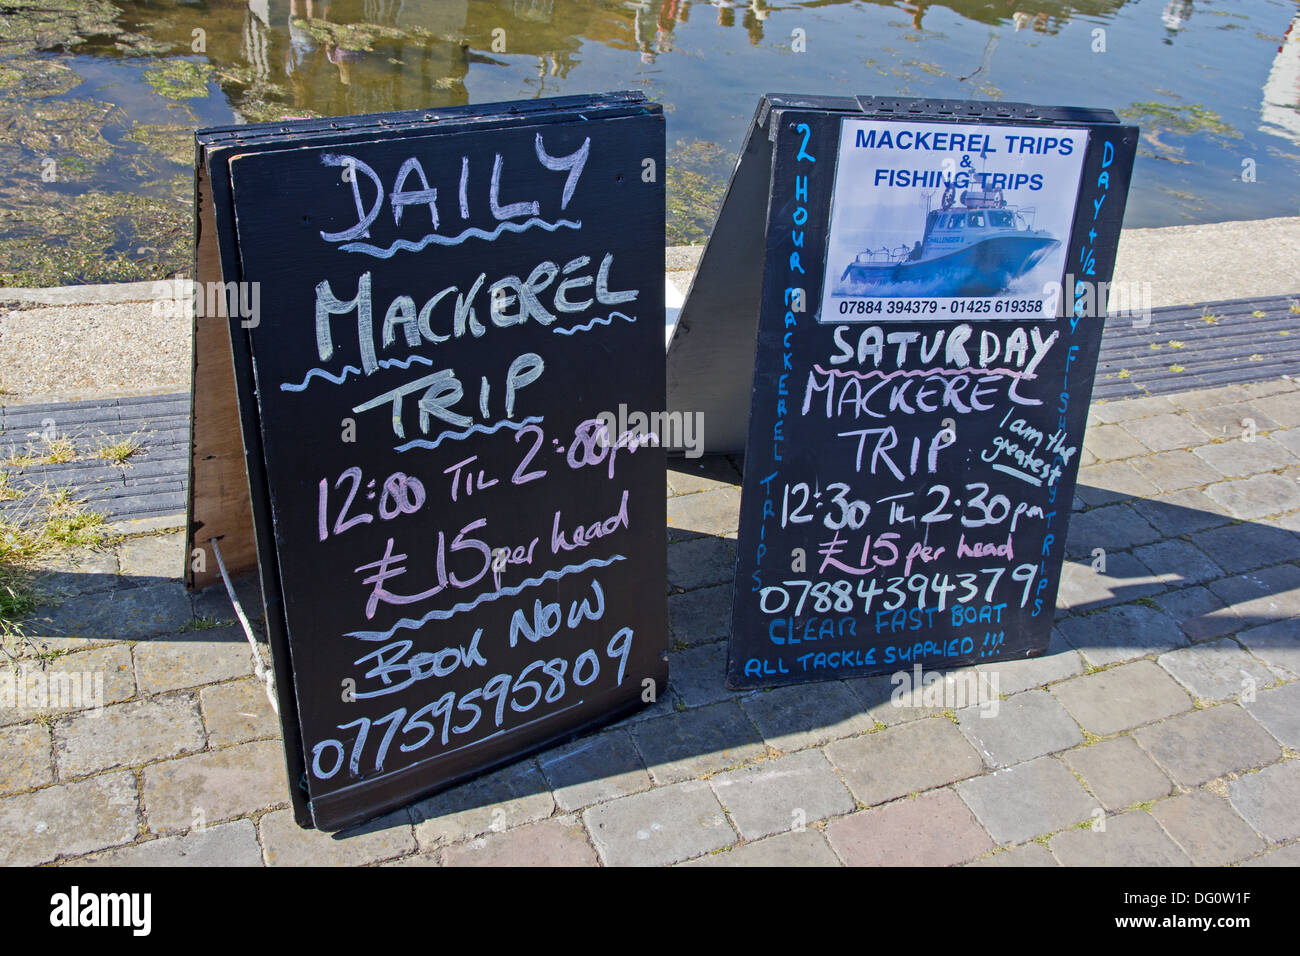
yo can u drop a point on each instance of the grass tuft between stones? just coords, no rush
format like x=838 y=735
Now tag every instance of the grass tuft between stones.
x=51 y=522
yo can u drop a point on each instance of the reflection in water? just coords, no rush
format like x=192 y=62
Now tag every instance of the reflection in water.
x=1280 y=113
x=1042 y=16
x=1175 y=17
x=362 y=56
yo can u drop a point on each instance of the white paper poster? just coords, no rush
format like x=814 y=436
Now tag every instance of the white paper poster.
x=949 y=221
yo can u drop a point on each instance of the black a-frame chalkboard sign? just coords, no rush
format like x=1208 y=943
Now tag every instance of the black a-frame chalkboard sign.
x=897 y=319
x=399 y=423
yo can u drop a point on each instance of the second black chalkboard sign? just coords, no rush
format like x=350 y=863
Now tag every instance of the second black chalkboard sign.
x=925 y=282
x=453 y=546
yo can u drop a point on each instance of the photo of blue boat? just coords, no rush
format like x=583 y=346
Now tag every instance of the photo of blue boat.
x=978 y=247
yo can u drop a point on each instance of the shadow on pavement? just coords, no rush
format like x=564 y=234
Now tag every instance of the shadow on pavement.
x=1141 y=578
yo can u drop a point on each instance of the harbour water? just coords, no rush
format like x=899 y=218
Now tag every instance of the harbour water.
x=99 y=98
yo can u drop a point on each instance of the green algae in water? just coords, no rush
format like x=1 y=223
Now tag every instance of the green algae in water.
x=49 y=239
x=34 y=77
x=1193 y=118
x=57 y=128
x=695 y=183
x=173 y=141
x=31 y=25
x=180 y=79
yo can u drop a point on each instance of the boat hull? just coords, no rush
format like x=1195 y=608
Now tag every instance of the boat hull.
x=985 y=268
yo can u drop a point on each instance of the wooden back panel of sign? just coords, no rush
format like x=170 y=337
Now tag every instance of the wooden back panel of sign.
x=452 y=552
x=923 y=363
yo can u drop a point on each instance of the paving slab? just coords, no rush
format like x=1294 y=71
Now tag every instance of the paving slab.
x=1279 y=711
x=1255 y=497
x=559 y=841
x=1242 y=457
x=1112 y=481
x=1265 y=596
x=1027 y=854
x=237 y=711
x=130 y=734
x=1118 y=634
x=62 y=575
x=1130 y=839
x=116 y=615
x=1110 y=527
x=1280 y=856
x=661 y=826
x=1218 y=670
x=1166 y=432
x=1026 y=726
x=709 y=473
x=1283 y=409
x=1061 y=662
x=1277 y=645
x=1176 y=470
x=1200 y=398
x=933 y=829
x=698 y=674
x=1199 y=746
x=1226 y=421
x=1209 y=831
x=701 y=616
x=1088 y=585
x=1131 y=409
x=509 y=797
x=284 y=843
x=191 y=659
x=593 y=769
x=213 y=787
x=28 y=761
x=153 y=556
x=1267 y=800
x=783 y=794
x=1200 y=613
x=807 y=848
x=421 y=859
x=909 y=758
x=701 y=562
x=227 y=844
x=72 y=683
x=1109 y=442
x=1244 y=547
x=806 y=715
x=885 y=700
x=1118 y=773
x=715 y=512
x=699 y=741
x=1028 y=800
x=1178 y=563
x=69 y=819
x=1181 y=512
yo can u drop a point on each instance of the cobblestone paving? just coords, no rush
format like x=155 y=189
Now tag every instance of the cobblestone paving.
x=1163 y=727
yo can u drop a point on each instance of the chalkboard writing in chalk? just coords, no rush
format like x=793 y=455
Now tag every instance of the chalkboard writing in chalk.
x=933 y=280
x=454 y=548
